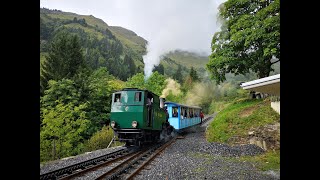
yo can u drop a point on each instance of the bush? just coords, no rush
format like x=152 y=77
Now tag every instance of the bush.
x=100 y=139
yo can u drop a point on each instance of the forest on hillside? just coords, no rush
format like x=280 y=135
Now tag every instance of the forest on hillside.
x=83 y=60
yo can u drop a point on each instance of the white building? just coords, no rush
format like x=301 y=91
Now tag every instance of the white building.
x=268 y=85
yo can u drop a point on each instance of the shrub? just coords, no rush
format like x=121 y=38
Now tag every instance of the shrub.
x=100 y=139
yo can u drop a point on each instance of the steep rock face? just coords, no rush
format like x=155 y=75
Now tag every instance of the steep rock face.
x=266 y=137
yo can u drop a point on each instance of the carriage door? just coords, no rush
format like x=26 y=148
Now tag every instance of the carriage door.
x=149 y=110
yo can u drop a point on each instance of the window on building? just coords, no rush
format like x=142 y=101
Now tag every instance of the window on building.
x=137 y=96
x=117 y=97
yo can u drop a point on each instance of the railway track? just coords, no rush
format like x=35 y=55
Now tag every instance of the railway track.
x=122 y=164
x=76 y=169
x=207 y=119
x=132 y=166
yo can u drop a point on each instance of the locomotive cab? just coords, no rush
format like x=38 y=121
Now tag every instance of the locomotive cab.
x=136 y=115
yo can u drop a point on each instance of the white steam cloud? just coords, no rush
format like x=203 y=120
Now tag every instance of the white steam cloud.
x=167 y=25
x=185 y=25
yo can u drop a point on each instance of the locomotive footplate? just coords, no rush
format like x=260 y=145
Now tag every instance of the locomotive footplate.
x=129 y=134
x=120 y=131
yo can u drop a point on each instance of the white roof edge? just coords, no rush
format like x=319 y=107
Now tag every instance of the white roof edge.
x=264 y=81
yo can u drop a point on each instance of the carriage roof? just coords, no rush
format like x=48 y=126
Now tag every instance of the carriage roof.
x=182 y=105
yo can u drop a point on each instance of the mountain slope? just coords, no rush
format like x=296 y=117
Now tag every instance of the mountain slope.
x=188 y=59
x=103 y=45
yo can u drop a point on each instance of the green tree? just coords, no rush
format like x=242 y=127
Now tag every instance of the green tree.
x=156 y=83
x=61 y=131
x=194 y=76
x=63 y=91
x=136 y=81
x=178 y=75
x=249 y=39
x=64 y=58
x=100 y=98
x=159 y=69
x=128 y=66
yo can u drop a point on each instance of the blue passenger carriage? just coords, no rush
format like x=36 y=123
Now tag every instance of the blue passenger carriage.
x=183 y=116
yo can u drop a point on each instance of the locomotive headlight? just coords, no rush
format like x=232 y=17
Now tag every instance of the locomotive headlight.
x=134 y=124
x=113 y=124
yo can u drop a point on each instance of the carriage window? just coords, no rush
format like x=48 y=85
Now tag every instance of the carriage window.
x=137 y=96
x=174 y=111
x=117 y=97
x=191 y=113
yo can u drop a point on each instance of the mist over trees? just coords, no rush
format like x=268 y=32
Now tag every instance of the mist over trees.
x=249 y=39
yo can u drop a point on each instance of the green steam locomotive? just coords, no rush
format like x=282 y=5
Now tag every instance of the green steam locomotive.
x=138 y=116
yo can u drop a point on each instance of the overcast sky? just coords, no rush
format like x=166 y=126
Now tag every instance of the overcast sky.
x=166 y=24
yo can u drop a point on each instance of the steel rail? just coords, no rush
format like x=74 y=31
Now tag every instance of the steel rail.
x=158 y=151
x=81 y=165
x=113 y=172
x=94 y=167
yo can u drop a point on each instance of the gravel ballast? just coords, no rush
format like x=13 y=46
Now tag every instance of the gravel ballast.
x=194 y=158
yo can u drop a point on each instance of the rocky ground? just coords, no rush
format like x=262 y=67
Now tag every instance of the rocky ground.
x=194 y=158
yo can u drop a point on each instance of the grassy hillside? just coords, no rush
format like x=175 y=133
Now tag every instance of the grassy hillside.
x=130 y=39
x=242 y=116
x=91 y=20
x=133 y=45
x=188 y=59
x=239 y=117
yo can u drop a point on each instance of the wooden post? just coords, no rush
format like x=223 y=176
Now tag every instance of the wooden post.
x=111 y=141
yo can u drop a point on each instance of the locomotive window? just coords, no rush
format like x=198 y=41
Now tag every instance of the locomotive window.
x=174 y=111
x=117 y=97
x=137 y=96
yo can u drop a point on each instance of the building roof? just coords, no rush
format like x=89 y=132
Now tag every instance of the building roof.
x=269 y=85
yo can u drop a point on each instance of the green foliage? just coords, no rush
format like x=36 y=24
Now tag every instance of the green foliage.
x=229 y=121
x=101 y=140
x=103 y=45
x=175 y=98
x=248 y=39
x=63 y=125
x=99 y=99
x=194 y=76
x=155 y=83
x=136 y=81
x=129 y=66
x=64 y=59
x=159 y=69
x=178 y=75
x=267 y=161
x=63 y=91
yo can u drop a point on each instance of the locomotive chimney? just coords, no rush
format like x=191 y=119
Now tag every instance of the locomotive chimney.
x=162 y=100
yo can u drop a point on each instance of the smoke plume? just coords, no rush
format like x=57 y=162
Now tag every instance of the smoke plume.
x=185 y=25
x=172 y=86
x=201 y=93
